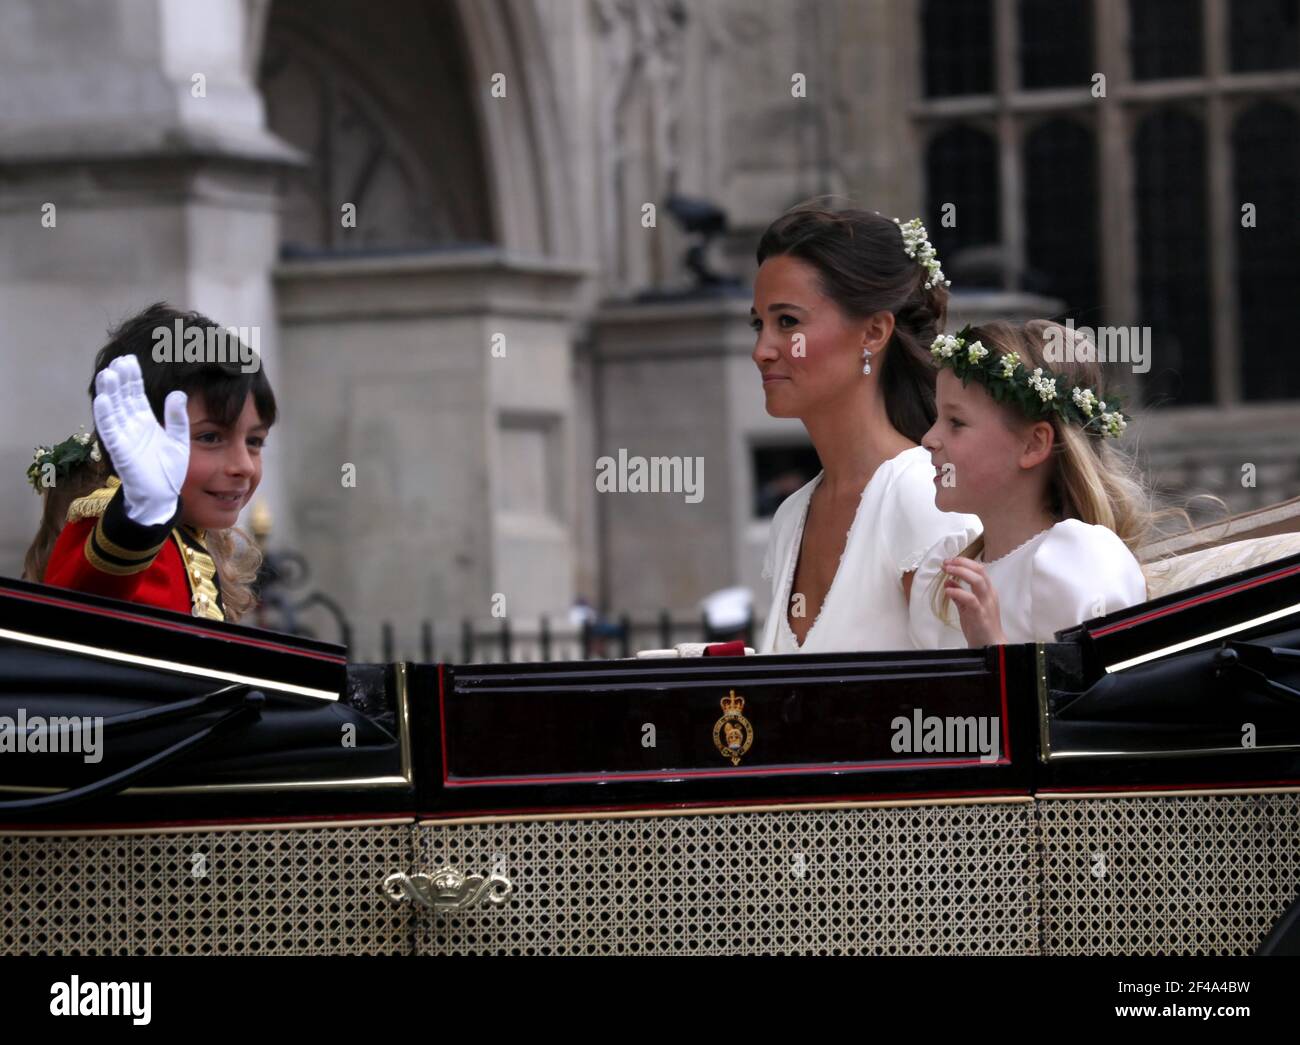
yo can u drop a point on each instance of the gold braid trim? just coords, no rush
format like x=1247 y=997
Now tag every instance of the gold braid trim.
x=124 y=553
x=201 y=573
x=93 y=504
x=112 y=568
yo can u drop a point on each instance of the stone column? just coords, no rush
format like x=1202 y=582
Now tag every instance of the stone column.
x=676 y=379
x=445 y=380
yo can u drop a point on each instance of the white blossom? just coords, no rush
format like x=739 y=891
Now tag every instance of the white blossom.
x=1114 y=424
x=1045 y=387
x=945 y=346
x=1085 y=400
x=916 y=245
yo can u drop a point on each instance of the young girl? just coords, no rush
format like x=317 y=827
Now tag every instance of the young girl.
x=1025 y=446
x=151 y=519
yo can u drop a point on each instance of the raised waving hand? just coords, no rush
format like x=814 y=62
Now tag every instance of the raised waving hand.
x=150 y=459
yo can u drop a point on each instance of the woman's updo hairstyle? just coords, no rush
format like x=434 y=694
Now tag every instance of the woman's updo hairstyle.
x=863 y=268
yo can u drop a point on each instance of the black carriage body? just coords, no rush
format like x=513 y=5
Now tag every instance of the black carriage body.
x=637 y=805
x=1140 y=699
x=325 y=739
x=652 y=733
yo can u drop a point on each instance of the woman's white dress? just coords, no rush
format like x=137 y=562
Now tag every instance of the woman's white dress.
x=895 y=524
x=1061 y=577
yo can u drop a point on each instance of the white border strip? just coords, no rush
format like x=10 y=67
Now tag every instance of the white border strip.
x=1178 y=647
x=716 y=810
x=166 y=665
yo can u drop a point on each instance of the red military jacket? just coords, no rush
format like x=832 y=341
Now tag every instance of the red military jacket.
x=103 y=551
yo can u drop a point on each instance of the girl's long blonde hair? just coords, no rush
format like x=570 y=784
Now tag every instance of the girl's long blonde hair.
x=57 y=499
x=1092 y=479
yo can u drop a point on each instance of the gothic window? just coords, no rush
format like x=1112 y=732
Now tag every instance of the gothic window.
x=382 y=111
x=1266 y=175
x=1126 y=206
x=1055 y=43
x=1061 y=234
x=1173 y=255
x=1165 y=39
x=1264 y=34
x=958 y=38
x=961 y=168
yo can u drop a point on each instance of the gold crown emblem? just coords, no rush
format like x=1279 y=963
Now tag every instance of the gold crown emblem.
x=732 y=704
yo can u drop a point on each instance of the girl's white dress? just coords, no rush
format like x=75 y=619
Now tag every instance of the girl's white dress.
x=896 y=522
x=1061 y=577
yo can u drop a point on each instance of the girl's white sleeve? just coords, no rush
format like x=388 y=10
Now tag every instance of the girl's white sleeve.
x=1081 y=571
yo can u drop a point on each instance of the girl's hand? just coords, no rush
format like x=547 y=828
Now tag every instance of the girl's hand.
x=981 y=621
x=150 y=460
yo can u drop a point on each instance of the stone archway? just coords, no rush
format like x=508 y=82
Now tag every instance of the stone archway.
x=460 y=453
x=530 y=168
x=402 y=108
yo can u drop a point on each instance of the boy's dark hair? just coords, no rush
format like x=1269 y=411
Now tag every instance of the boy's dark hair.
x=224 y=385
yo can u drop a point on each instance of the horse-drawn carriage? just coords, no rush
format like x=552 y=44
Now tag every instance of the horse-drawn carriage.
x=171 y=786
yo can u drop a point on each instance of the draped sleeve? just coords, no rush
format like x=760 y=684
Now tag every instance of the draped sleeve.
x=769 y=568
x=1081 y=571
x=926 y=629
x=780 y=535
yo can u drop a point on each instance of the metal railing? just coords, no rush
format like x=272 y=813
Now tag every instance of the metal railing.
x=506 y=641
x=288 y=604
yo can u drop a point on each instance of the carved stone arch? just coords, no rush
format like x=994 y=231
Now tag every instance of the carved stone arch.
x=526 y=169
x=529 y=168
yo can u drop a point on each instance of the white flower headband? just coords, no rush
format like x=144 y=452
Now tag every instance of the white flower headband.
x=64 y=456
x=916 y=245
x=1035 y=393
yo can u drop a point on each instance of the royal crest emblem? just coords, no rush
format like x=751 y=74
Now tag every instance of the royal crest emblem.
x=732 y=733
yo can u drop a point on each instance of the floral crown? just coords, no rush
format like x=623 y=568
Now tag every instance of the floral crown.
x=1037 y=393
x=66 y=457
x=916 y=245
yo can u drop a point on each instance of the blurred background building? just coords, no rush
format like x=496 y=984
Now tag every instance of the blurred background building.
x=435 y=212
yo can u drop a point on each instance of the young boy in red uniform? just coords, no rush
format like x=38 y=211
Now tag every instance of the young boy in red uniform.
x=161 y=528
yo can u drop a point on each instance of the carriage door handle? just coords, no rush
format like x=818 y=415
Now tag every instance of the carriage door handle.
x=447 y=889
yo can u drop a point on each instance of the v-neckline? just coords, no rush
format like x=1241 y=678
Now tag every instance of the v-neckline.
x=798 y=551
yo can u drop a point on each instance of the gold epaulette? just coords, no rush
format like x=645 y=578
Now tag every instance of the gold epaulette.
x=93 y=504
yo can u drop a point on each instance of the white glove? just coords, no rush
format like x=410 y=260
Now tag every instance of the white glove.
x=150 y=460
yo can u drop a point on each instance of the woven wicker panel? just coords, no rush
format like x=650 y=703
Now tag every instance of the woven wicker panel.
x=311 y=891
x=1178 y=875
x=916 y=880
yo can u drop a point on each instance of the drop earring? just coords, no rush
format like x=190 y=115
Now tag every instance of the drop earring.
x=866 y=360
